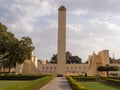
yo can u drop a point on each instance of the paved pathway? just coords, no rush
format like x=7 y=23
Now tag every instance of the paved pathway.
x=58 y=83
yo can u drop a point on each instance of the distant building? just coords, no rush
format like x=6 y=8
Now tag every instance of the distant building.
x=116 y=61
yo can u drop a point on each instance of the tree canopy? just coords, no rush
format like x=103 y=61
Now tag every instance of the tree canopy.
x=70 y=59
x=108 y=68
x=13 y=50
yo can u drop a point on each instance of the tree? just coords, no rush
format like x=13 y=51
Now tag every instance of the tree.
x=68 y=55
x=7 y=43
x=85 y=74
x=10 y=60
x=54 y=59
x=111 y=60
x=12 y=50
x=69 y=59
x=108 y=68
x=86 y=62
x=75 y=59
x=24 y=50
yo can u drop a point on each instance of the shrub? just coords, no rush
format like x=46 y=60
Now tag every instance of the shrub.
x=117 y=78
x=113 y=81
x=20 y=77
x=85 y=78
x=76 y=85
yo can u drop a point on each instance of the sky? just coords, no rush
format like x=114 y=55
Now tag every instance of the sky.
x=91 y=25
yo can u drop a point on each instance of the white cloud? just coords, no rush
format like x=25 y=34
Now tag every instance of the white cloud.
x=74 y=27
x=105 y=27
x=80 y=12
x=92 y=25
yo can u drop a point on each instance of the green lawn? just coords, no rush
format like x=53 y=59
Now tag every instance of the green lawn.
x=99 y=86
x=5 y=84
x=24 y=84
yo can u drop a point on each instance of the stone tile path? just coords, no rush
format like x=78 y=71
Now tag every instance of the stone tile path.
x=58 y=83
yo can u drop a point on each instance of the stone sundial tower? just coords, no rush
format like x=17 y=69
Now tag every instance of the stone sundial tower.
x=61 y=40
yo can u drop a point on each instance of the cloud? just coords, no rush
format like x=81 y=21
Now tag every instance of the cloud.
x=79 y=12
x=92 y=25
x=105 y=6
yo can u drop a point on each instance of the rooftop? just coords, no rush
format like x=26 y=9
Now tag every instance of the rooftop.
x=62 y=8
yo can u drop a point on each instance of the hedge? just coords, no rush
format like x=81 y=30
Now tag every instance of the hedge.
x=117 y=78
x=32 y=85
x=20 y=77
x=113 y=81
x=85 y=78
x=76 y=85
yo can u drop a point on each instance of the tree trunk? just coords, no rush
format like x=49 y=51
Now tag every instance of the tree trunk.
x=107 y=74
x=9 y=68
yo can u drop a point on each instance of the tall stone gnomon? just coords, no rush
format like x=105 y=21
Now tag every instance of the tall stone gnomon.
x=61 y=40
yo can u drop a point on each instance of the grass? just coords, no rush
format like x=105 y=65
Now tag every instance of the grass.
x=24 y=85
x=99 y=86
x=4 y=84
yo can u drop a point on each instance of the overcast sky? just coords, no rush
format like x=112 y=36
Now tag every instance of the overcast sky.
x=92 y=25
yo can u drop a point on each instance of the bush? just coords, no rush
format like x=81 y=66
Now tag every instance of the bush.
x=117 y=78
x=76 y=85
x=20 y=77
x=85 y=78
x=113 y=81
